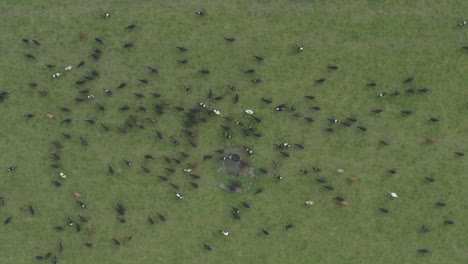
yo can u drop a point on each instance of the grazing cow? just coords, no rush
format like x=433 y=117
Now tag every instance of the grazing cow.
x=82 y=204
x=317 y=108
x=299 y=47
x=430 y=179
x=78 y=228
x=257 y=80
x=163 y=178
x=383 y=210
x=121 y=220
x=449 y=222
x=60 y=247
x=178 y=195
x=195 y=176
x=441 y=204
x=265 y=231
x=106 y=15
x=143 y=80
x=377 y=111
x=408 y=80
x=122 y=85
x=392 y=171
x=145 y=169
x=423 y=250
x=201 y=13
x=330 y=129
x=394 y=195
x=117 y=242
x=329 y=187
x=461 y=154
x=462 y=23
x=127 y=162
x=106 y=128
x=8 y=220
x=352 y=179
x=288 y=226
x=425 y=229
x=174 y=141
x=259 y=58
x=204 y=71
x=362 y=128
x=423 y=90
x=130 y=26
x=386 y=143
x=322 y=80
x=162 y=217
x=25 y=40
x=59 y=228
x=31 y=210
x=150 y=220
x=333 y=67
x=237 y=211
x=225 y=233
x=260 y=190
x=80 y=64
x=152 y=69
x=208 y=247
x=236 y=216
x=382 y=94
x=58 y=184
x=182 y=61
x=230 y=39
x=30 y=56
x=89 y=244
x=128 y=45
x=345 y=123
x=84 y=219
x=70 y=221
x=236 y=98
x=127 y=239
x=11 y=168
x=433 y=119
x=83 y=141
x=406 y=112
x=250 y=71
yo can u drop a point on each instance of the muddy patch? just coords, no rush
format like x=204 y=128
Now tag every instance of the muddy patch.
x=235 y=173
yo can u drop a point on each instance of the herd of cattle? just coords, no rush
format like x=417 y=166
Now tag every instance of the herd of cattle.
x=194 y=115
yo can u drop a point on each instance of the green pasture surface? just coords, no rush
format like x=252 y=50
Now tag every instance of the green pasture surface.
x=371 y=41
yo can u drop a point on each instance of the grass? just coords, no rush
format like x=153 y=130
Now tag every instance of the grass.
x=370 y=41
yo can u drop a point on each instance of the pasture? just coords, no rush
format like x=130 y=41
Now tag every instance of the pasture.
x=371 y=41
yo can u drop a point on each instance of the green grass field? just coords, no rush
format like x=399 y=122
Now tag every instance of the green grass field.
x=369 y=40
